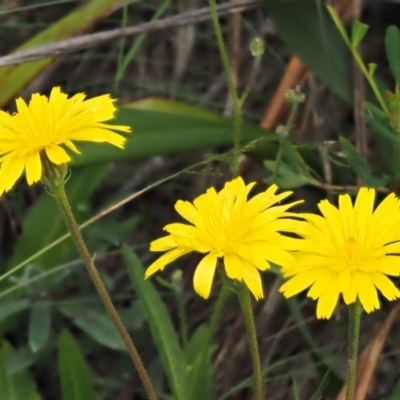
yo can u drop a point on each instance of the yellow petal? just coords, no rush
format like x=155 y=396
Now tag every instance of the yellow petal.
x=233 y=266
x=367 y=293
x=11 y=170
x=33 y=169
x=57 y=155
x=323 y=279
x=252 y=279
x=165 y=243
x=204 y=275
x=99 y=135
x=164 y=260
x=181 y=230
x=298 y=283
x=186 y=210
x=385 y=285
x=327 y=302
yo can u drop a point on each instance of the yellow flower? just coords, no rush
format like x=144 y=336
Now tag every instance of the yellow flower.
x=45 y=125
x=348 y=250
x=225 y=225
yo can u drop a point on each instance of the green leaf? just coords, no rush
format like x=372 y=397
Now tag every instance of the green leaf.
x=356 y=160
x=39 y=325
x=358 y=32
x=162 y=329
x=395 y=395
x=372 y=68
x=323 y=365
x=287 y=178
x=15 y=386
x=76 y=380
x=392 y=44
x=20 y=360
x=388 y=141
x=95 y=323
x=313 y=36
x=45 y=215
x=15 y=77
x=293 y=171
x=167 y=127
x=204 y=377
x=10 y=308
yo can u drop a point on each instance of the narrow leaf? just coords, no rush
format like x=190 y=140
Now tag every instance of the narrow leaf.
x=39 y=325
x=14 y=386
x=356 y=160
x=201 y=381
x=313 y=37
x=15 y=77
x=167 y=127
x=95 y=323
x=163 y=332
x=76 y=380
x=392 y=44
x=395 y=395
x=372 y=68
x=358 y=32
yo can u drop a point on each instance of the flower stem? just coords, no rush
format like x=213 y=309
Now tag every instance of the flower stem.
x=282 y=140
x=219 y=306
x=237 y=105
x=57 y=189
x=245 y=304
x=253 y=75
x=355 y=310
x=283 y=135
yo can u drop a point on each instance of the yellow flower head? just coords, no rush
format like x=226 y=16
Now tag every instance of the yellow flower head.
x=47 y=124
x=225 y=225
x=348 y=250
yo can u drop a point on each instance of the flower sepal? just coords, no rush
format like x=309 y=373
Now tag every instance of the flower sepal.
x=54 y=176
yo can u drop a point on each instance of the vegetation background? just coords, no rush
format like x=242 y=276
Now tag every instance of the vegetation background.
x=56 y=340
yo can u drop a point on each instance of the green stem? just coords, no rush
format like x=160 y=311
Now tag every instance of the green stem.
x=245 y=304
x=231 y=86
x=253 y=75
x=358 y=58
x=355 y=310
x=219 y=306
x=57 y=189
x=282 y=139
x=182 y=319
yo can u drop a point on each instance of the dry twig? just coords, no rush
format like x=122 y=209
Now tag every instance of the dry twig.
x=95 y=39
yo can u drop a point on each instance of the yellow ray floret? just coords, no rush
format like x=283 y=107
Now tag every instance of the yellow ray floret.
x=349 y=250
x=225 y=226
x=48 y=125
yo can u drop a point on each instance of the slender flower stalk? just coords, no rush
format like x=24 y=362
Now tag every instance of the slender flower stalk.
x=294 y=97
x=237 y=104
x=245 y=304
x=350 y=250
x=53 y=179
x=355 y=311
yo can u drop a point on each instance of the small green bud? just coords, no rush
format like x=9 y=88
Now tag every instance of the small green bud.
x=295 y=95
x=281 y=130
x=257 y=47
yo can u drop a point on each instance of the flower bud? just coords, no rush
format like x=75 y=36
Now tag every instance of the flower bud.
x=257 y=47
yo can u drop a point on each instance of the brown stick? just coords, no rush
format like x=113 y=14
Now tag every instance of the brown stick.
x=95 y=39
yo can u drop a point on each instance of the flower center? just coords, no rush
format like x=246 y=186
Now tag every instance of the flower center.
x=352 y=252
